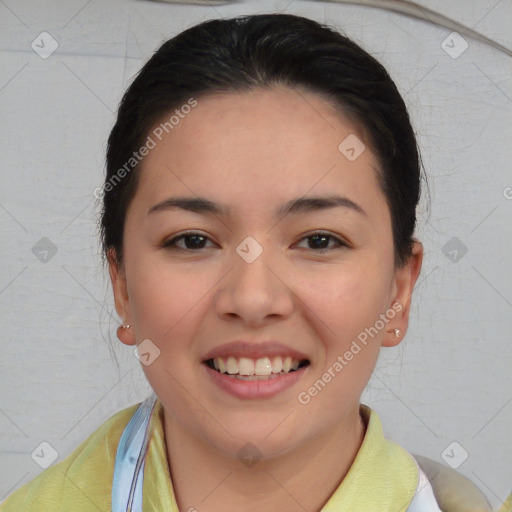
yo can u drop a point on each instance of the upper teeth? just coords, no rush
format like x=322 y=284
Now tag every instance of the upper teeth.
x=262 y=366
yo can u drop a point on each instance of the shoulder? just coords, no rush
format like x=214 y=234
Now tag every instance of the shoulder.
x=432 y=483
x=453 y=490
x=82 y=481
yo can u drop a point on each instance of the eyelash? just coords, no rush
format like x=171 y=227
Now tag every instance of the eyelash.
x=171 y=243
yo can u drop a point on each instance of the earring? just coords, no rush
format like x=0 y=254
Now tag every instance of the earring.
x=397 y=333
x=127 y=326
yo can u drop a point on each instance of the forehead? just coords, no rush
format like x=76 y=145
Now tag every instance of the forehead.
x=253 y=146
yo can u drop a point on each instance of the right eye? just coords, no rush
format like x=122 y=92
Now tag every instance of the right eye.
x=193 y=241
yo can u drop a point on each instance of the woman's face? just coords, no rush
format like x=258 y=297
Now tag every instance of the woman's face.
x=254 y=289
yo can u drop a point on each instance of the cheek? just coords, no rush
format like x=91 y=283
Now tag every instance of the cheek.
x=347 y=303
x=348 y=298
x=167 y=303
x=165 y=297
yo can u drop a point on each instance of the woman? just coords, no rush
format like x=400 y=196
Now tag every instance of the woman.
x=258 y=224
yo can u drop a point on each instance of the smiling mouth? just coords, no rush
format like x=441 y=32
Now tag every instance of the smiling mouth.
x=264 y=368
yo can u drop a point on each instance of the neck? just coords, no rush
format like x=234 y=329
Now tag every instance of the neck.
x=207 y=480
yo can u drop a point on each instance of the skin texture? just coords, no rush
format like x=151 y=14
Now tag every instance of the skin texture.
x=253 y=151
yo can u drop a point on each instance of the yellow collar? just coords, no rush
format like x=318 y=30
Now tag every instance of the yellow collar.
x=383 y=476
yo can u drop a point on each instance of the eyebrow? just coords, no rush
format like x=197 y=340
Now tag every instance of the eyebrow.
x=299 y=205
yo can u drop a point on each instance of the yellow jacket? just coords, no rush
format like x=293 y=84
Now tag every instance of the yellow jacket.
x=383 y=477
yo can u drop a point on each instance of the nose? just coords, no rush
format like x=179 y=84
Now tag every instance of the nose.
x=254 y=293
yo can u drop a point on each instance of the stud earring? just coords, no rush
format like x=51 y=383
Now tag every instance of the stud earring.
x=397 y=333
x=127 y=326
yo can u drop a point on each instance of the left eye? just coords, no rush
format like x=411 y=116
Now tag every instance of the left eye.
x=320 y=241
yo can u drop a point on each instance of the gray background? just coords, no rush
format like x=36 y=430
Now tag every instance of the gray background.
x=449 y=381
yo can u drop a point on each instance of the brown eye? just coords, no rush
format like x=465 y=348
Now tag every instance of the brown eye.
x=191 y=241
x=320 y=242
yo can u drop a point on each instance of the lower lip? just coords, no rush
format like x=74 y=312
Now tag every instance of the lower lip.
x=254 y=388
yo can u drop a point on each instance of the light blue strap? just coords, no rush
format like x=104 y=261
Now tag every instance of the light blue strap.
x=130 y=459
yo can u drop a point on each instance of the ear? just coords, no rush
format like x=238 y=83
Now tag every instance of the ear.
x=404 y=281
x=121 y=300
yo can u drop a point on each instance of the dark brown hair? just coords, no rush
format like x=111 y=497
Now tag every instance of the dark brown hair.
x=246 y=52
